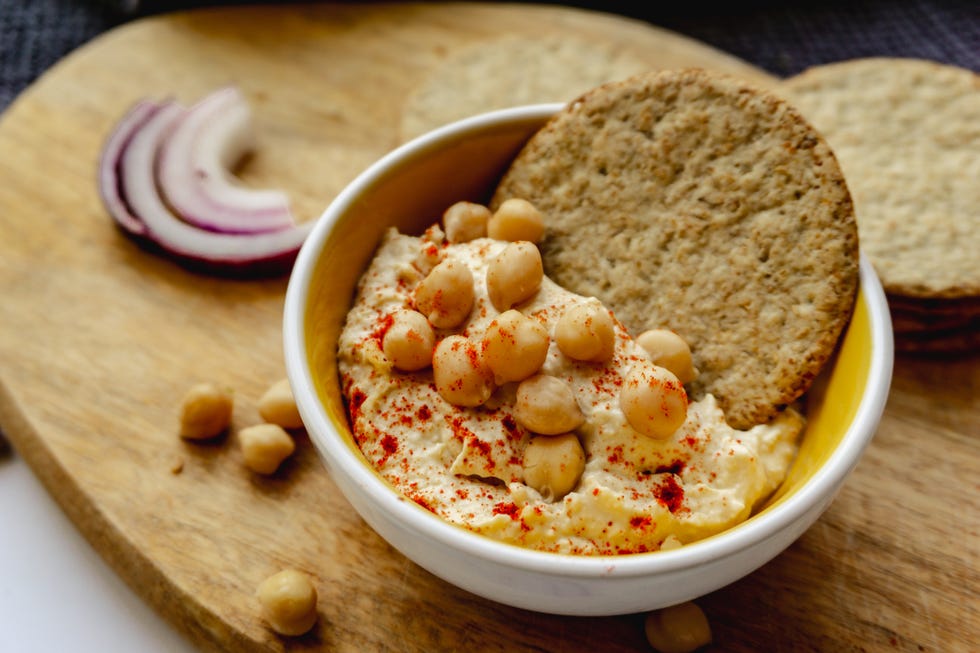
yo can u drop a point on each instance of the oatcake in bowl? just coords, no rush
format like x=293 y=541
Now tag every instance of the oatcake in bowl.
x=696 y=201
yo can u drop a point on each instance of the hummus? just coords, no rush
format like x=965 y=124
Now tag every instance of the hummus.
x=636 y=493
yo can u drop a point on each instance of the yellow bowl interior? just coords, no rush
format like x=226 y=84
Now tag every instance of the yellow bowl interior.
x=832 y=401
x=412 y=194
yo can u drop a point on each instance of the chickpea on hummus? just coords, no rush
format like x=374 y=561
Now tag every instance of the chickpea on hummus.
x=506 y=405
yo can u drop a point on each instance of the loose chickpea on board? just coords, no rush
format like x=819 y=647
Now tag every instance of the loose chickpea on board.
x=288 y=602
x=265 y=447
x=681 y=628
x=205 y=411
x=278 y=406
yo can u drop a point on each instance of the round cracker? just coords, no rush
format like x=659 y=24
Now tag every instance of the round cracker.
x=905 y=322
x=697 y=202
x=962 y=340
x=936 y=305
x=512 y=70
x=907 y=135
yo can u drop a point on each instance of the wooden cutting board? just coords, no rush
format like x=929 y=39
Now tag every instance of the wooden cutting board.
x=99 y=340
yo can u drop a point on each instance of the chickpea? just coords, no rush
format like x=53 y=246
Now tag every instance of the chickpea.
x=446 y=296
x=681 y=628
x=465 y=221
x=585 y=332
x=653 y=400
x=278 y=406
x=516 y=219
x=409 y=341
x=546 y=404
x=514 y=275
x=265 y=446
x=205 y=411
x=461 y=374
x=288 y=601
x=667 y=349
x=553 y=464
x=515 y=346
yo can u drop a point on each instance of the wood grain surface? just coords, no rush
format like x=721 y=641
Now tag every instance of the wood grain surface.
x=99 y=340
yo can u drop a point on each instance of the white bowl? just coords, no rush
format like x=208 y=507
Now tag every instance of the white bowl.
x=409 y=188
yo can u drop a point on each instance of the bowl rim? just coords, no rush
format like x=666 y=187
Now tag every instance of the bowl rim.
x=819 y=488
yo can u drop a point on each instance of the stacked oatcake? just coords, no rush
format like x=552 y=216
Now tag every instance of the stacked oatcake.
x=907 y=135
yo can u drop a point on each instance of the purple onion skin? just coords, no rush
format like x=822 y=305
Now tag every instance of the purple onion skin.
x=109 y=178
x=253 y=270
x=111 y=188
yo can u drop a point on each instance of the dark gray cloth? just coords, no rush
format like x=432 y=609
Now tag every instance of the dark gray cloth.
x=782 y=38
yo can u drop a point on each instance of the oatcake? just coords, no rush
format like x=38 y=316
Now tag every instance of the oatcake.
x=907 y=134
x=937 y=325
x=956 y=341
x=916 y=322
x=509 y=71
x=940 y=305
x=695 y=201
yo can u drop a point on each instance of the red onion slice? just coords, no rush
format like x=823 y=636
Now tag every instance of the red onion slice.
x=109 y=183
x=236 y=253
x=193 y=169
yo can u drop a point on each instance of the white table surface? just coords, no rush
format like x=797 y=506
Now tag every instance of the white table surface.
x=57 y=595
